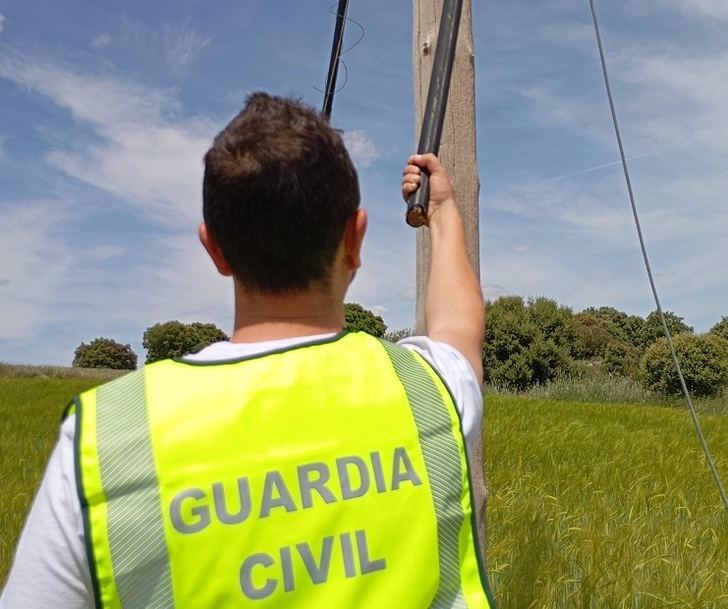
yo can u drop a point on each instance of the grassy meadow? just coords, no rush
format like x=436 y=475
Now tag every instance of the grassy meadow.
x=592 y=506
x=603 y=506
x=32 y=400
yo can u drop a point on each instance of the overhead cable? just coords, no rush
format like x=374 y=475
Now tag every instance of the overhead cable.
x=668 y=335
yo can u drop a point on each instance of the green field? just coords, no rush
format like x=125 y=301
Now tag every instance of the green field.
x=591 y=506
x=604 y=506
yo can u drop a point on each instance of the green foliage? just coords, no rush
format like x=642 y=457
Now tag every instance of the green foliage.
x=602 y=507
x=620 y=325
x=526 y=343
x=30 y=414
x=397 y=335
x=623 y=359
x=703 y=360
x=175 y=339
x=359 y=319
x=653 y=330
x=105 y=353
x=721 y=328
x=591 y=336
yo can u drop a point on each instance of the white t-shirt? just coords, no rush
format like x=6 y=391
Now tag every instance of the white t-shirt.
x=51 y=568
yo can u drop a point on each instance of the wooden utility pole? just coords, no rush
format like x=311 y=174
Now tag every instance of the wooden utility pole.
x=458 y=152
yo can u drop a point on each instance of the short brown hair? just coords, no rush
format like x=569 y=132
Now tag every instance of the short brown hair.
x=279 y=187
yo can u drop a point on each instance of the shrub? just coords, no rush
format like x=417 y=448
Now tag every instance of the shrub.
x=105 y=353
x=175 y=339
x=591 y=336
x=620 y=325
x=721 y=328
x=653 y=330
x=359 y=319
x=397 y=335
x=623 y=359
x=703 y=360
x=526 y=344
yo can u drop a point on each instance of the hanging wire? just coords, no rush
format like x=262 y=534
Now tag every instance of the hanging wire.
x=686 y=393
x=341 y=53
x=335 y=58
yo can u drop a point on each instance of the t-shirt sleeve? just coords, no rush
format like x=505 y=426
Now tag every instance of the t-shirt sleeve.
x=50 y=568
x=459 y=376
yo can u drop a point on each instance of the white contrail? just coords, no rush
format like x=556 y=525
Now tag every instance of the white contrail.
x=594 y=168
x=570 y=175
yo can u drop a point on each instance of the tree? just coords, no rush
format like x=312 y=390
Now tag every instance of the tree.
x=623 y=359
x=591 y=336
x=620 y=325
x=526 y=343
x=653 y=330
x=721 y=328
x=703 y=360
x=105 y=353
x=175 y=339
x=359 y=319
x=397 y=335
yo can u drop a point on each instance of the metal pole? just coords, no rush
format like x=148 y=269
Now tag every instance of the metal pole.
x=335 y=57
x=436 y=103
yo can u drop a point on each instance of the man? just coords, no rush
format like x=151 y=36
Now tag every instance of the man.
x=296 y=465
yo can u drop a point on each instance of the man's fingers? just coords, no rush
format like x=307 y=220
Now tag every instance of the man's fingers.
x=410 y=184
x=426 y=161
x=411 y=169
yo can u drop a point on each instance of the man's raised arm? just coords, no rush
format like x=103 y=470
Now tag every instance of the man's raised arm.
x=454 y=308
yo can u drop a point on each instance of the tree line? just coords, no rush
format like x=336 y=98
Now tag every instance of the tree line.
x=175 y=339
x=534 y=341
x=528 y=342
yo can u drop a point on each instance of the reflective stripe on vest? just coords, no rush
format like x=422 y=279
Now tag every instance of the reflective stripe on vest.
x=326 y=475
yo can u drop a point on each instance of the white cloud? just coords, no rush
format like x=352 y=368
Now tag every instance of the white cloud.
x=144 y=154
x=712 y=9
x=181 y=284
x=378 y=309
x=104 y=252
x=2 y=23
x=552 y=107
x=34 y=265
x=409 y=294
x=183 y=44
x=101 y=100
x=361 y=148
x=101 y=41
x=141 y=152
x=491 y=291
x=680 y=100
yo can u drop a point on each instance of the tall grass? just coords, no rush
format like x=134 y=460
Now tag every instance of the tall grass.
x=30 y=416
x=596 y=507
x=594 y=386
x=27 y=371
x=591 y=506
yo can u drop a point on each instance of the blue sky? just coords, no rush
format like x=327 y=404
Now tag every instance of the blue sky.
x=106 y=110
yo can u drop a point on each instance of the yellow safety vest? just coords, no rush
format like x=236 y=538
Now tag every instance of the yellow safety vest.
x=325 y=475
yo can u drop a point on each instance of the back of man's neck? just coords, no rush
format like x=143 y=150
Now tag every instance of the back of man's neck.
x=261 y=318
x=267 y=331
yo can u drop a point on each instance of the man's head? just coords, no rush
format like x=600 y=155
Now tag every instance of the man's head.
x=279 y=191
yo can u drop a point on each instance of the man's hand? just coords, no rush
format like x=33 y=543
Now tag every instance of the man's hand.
x=440 y=186
x=454 y=311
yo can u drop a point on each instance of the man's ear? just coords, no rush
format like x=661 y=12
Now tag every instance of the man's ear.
x=356 y=228
x=214 y=250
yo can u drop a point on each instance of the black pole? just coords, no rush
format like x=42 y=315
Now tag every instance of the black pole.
x=335 y=57
x=434 y=117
